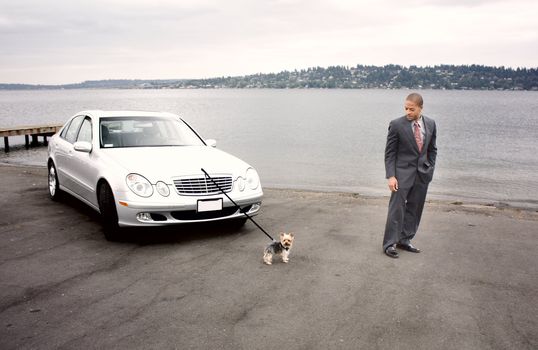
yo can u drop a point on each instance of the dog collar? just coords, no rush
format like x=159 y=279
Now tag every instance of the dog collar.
x=282 y=246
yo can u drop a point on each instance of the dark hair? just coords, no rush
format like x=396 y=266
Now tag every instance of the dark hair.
x=416 y=98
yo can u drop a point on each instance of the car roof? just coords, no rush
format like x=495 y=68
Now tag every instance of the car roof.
x=104 y=114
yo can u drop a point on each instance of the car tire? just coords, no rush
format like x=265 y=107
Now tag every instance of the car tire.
x=109 y=214
x=54 y=184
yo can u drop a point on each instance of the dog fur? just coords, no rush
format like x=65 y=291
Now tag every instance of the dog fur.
x=281 y=247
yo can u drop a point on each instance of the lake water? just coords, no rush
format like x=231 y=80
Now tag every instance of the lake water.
x=329 y=140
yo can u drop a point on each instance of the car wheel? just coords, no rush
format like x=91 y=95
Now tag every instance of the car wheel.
x=109 y=214
x=54 y=184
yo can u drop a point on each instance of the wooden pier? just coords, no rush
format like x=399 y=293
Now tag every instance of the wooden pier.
x=30 y=130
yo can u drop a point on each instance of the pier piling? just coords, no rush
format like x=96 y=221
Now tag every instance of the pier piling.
x=32 y=130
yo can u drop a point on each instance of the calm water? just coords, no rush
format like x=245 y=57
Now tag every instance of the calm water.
x=331 y=140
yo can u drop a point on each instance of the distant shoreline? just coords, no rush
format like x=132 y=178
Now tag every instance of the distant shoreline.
x=439 y=77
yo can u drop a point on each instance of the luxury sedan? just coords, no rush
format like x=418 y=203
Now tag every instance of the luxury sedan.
x=147 y=169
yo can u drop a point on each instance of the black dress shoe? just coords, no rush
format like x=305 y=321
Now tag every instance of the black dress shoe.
x=409 y=247
x=391 y=251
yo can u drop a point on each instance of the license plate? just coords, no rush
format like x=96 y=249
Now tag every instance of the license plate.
x=210 y=205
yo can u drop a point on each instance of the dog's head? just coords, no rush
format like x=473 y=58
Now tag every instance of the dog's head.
x=286 y=239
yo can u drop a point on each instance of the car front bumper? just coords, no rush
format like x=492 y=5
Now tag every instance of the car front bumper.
x=135 y=212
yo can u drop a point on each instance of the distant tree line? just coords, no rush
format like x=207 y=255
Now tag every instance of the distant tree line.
x=447 y=77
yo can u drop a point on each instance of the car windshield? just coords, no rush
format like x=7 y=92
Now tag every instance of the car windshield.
x=116 y=132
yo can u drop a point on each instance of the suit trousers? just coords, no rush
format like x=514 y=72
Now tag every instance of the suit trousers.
x=405 y=211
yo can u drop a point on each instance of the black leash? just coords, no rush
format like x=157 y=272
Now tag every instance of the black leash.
x=237 y=206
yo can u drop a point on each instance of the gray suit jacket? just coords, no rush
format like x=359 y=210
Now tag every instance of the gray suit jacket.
x=402 y=158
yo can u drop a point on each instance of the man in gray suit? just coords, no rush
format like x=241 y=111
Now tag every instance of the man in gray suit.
x=410 y=156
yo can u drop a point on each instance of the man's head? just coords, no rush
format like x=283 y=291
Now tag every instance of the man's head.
x=413 y=106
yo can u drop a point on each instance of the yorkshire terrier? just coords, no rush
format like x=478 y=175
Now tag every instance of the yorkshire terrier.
x=281 y=248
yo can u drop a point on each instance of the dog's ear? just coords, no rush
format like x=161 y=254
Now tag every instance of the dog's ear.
x=282 y=234
x=291 y=235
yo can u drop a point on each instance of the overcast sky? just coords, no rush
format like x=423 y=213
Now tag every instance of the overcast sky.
x=56 y=42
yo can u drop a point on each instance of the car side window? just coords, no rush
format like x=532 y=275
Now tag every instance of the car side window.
x=64 y=130
x=85 y=133
x=72 y=131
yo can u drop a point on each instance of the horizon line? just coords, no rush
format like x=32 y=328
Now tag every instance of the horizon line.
x=282 y=71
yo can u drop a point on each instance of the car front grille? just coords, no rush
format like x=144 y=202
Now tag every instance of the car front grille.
x=201 y=186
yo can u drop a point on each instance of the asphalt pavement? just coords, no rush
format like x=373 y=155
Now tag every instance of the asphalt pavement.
x=63 y=286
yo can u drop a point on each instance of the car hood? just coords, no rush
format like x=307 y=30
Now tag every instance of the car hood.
x=164 y=163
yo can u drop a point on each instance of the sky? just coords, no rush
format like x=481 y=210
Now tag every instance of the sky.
x=70 y=41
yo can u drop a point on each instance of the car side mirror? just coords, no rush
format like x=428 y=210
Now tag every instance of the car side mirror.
x=211 y=142
x=83 y=146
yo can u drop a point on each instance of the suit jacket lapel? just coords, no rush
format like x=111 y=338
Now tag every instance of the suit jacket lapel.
x=408 y=130
x=427 y=133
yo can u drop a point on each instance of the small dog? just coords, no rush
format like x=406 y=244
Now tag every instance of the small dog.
x=283 y=248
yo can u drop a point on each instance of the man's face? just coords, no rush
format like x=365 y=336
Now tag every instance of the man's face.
x=412 y=110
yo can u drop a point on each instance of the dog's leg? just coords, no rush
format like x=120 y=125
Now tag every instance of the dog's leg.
x=267 y=258
x=285 y=255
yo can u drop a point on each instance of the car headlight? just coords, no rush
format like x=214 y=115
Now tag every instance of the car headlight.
x=139 y=185
x=241 y=184
x=253 y=179
x=162 y=188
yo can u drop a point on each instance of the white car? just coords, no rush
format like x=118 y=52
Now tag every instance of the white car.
x=145 y=169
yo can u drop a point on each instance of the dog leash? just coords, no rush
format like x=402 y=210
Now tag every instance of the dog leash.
x=237 y=206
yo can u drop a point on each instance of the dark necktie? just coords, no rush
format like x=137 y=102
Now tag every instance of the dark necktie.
x=418 y=136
